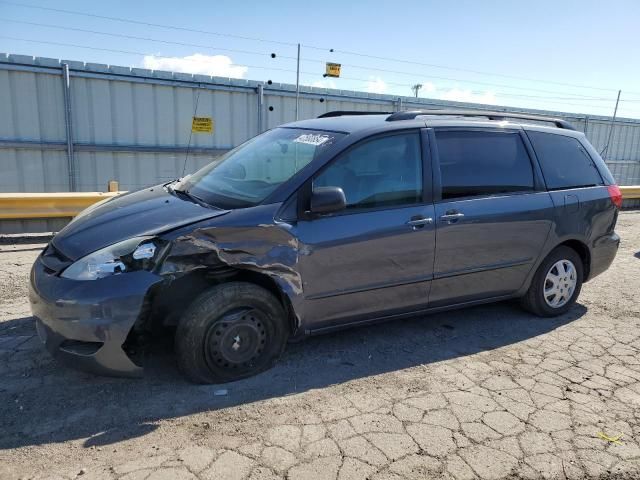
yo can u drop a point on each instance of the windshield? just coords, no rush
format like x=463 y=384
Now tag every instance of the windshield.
x=245 y=176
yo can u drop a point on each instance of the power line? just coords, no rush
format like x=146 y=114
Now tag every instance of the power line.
x=148 y=24
x=131 y=52
x=466 y=70
x=292 y=44
x=497 y=94
x=134 y=37
x=475 y=82
x=358 y=67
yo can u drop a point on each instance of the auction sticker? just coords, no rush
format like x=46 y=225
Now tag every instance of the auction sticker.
x=312 y=139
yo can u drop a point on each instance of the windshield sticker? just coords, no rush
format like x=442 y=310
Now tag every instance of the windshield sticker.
x=312 y=139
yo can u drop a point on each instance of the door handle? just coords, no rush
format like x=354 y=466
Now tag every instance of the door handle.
x=416 y=222
x=451 y=217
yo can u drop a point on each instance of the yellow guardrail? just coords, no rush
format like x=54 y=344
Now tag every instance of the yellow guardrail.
x=18 y=206
x=630 y=192
x=48 y=205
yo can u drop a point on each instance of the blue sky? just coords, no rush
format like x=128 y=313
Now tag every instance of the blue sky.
x=558 y=55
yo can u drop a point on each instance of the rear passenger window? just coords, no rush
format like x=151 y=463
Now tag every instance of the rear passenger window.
x=564 y=161
x=482 y=163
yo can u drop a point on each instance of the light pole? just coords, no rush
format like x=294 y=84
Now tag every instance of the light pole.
x=298 y=85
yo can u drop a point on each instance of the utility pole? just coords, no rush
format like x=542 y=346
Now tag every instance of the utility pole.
x=415 y=89
x=298 y=85
x=68 y=121
x=613 y=121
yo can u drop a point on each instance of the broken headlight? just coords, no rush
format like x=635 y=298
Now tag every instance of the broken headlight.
x=138 y=253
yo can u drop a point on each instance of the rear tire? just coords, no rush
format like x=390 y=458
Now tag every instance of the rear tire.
x=231 y=331
x=556 y=284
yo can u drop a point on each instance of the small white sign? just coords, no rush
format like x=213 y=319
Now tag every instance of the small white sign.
x=312 y=139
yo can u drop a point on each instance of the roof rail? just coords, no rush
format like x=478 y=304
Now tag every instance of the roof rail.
x=558 y=122
x=342 y=113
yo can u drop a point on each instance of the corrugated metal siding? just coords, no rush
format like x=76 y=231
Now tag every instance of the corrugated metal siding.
x=31 y=106
x=132 y=170
x=136 y=107
x=26 y=170
x=125 y=113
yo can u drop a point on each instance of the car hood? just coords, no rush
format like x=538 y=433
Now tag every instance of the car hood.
x=146 y=212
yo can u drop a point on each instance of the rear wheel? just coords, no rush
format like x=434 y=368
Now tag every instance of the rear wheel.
x=556 y=284
x=231 y=331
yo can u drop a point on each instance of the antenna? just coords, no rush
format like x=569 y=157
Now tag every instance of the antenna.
x=613 y=121
x=195 y=111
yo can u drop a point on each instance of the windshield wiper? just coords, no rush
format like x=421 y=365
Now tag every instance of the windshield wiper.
x=192 y=197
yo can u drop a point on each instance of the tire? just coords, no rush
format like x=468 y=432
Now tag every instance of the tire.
x=231 y=331
x=534 y=300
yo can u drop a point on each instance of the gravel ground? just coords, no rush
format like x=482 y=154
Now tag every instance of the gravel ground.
x=489 y=392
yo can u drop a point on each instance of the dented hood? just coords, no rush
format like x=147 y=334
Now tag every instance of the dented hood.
x=146 y=212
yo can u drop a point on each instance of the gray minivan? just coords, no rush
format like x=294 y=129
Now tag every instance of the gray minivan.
x=326 y=223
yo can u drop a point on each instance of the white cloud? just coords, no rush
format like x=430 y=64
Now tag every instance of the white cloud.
x=457 y=94
x=217 y=65
x=466 y=95
x=376 y=85
x=428 y=87
x=325 y=83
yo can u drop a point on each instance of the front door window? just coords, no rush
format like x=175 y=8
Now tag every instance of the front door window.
x=382 y=172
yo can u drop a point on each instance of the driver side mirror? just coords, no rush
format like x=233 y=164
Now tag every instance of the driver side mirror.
x=327 y=200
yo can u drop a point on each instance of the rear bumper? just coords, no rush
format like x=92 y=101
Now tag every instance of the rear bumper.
x=85 y=323
x=603 y=252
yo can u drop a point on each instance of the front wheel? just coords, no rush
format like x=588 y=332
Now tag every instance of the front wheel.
x=231 y=331
x=556 y=284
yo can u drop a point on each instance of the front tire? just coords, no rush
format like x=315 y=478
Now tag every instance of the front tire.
x=231 y=331
x=556 y=284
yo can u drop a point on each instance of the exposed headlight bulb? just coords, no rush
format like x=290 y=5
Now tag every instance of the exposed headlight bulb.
x=144 y=251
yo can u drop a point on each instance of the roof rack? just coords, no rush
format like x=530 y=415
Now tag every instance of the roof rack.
x=481 y=113
x=342 y=113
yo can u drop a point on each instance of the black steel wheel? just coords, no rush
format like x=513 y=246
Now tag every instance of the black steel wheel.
x=232 y=331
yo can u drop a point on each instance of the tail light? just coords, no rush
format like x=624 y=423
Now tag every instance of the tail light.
x=616 y=195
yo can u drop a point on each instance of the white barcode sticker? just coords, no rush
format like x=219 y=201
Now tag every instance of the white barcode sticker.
x=312 y=139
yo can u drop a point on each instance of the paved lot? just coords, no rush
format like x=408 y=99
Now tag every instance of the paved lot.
x=489 y=392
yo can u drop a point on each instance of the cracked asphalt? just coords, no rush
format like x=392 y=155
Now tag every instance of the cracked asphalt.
x=489 y=392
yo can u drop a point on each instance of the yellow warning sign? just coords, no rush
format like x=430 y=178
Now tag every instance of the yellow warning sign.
x=333 y=70
x=202 y=125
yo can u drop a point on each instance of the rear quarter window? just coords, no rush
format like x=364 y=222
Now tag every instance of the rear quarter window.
x=564 y=161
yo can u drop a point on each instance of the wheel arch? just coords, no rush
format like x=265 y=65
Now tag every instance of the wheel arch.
x=576 y=244
x=166 y=303
x=269 y=283
x=583 y=252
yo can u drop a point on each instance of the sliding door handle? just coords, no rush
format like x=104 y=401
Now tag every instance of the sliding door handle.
x=416 y=222
x=448 y=217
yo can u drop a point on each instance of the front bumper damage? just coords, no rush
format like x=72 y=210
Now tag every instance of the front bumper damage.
x=85 y=323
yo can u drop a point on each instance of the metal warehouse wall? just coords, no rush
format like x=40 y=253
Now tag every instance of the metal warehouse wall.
x=134 y=125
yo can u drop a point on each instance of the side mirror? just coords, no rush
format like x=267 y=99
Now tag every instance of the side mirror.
x=327 y=200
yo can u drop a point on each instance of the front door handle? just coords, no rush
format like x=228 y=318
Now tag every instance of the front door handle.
x=451 y=217
x=419 y=221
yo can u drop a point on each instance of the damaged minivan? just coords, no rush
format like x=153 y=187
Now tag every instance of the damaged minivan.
x=327 y=223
